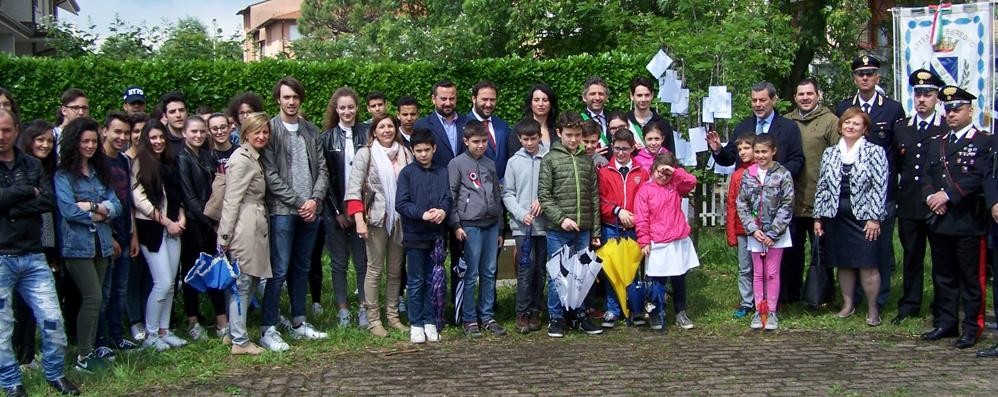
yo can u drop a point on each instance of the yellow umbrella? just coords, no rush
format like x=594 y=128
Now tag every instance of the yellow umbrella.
x=621 y=258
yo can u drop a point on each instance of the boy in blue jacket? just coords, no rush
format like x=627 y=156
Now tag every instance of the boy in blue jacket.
x=423 y=201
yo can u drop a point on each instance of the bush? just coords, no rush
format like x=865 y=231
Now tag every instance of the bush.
x=38 y=82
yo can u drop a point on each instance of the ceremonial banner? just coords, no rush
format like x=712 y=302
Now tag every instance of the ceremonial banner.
x=956 y=41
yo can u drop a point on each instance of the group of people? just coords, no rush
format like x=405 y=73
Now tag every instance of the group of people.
x=841 y=179
x=120 y=210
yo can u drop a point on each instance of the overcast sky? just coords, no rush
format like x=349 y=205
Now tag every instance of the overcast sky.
x=152 y=12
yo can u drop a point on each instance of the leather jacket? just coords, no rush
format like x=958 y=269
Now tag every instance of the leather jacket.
x=333 y=141
x=196 y=174
x=20 y=209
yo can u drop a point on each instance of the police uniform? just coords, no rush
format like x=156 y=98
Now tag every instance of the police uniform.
x=912 y=139
x=957 y=163
x=884 y=113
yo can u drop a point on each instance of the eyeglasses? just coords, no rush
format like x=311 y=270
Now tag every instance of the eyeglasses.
x=865 y=72
x=616 y=128
x=622 y=149
x=219 y=128
x=245 y=113
x=78 y=108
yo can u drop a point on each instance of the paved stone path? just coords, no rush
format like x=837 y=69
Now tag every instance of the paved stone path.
x=635 y=362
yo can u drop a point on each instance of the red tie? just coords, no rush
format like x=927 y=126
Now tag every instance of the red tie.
x=492 y=139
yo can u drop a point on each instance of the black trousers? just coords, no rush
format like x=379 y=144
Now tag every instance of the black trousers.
x=315 y=270
x=913 y=234
x=958 y=279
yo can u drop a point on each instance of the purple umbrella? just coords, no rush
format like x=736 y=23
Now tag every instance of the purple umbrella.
x=437 y=286
x=523 y=254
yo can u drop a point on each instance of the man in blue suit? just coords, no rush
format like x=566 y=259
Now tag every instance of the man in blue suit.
x=483 y=100
x=884 y=113
x=789 y=152
x=445 y=123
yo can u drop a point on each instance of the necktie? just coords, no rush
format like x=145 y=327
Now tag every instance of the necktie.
x=866 y=108
x=922 y=125
x=492 y=139
x=599 y=119
x=952 y=138
x=760 y=127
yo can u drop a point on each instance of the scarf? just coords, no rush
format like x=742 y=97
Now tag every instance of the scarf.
x=388 y=175
x=849 y=155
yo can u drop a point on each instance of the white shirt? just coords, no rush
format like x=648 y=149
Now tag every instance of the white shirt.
x=872 y=100
x=290 y=127
x=489 y=127
x=348 y=153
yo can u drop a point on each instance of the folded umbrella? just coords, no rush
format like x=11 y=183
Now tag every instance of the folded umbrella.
x=621 y=259
x=437 y=297
x=462 y=268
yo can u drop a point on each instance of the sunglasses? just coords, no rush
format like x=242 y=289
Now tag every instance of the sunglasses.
x=865 y=72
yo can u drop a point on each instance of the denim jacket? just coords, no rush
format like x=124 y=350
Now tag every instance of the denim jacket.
x=75 y=226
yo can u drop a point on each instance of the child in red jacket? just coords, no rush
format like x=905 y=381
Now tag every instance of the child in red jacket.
x=618 y=184
x=736 y=232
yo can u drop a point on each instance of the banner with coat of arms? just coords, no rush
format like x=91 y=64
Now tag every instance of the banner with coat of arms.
x=957 y=42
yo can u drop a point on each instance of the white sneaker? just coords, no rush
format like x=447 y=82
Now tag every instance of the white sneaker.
x=772 y=322
x=197 y=332
x=431 y=333
x=317 y=309
x=285 y=323
x=173 y=340
x=222 y=332
x=307 y=331
x=138 y=332
x=155 y=343
x=756 y=321
x=416 y=334
x=273 y=341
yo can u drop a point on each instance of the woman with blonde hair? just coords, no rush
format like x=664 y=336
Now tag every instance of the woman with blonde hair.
x=243 y=221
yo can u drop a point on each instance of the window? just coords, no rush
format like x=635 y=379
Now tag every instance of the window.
x=293 y=33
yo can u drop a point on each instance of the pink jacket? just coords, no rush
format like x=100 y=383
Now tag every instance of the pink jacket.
x=658 y=209
x=644 y=158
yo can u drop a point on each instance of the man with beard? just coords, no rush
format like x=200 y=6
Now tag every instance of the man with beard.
x=912 y=138
x=483 y=101
x=445 y=123
x=175 y=113
x=819 y=130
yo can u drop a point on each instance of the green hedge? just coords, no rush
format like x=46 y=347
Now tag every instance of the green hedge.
x=38 y=82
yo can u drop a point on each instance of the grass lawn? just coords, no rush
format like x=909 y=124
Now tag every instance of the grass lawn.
x=713 y=295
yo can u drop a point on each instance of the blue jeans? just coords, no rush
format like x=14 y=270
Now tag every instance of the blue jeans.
x=419 y=268
x=109 y=327
x=481 y=249
x=609 y=232
x=578 y=241
x=30 y=276
x=291 y=243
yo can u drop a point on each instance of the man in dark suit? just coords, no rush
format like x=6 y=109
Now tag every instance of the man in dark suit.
x=448 y=129
x=595 y=93
x=483 y=100
x=957 y=164
x=912 y=138
x=764 y=121
x=884 y=112
x=445 y=123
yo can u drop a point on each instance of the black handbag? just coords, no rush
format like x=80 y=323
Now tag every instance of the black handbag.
x=819 y=287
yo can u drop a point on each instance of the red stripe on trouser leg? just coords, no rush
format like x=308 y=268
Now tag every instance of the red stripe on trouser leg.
x=982 y=282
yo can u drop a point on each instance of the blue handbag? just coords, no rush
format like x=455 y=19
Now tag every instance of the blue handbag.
x=213 y=272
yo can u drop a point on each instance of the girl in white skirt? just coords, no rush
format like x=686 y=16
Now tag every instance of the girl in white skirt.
x=664 y=234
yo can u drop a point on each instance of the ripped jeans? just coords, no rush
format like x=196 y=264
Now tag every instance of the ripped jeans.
x=30 y=276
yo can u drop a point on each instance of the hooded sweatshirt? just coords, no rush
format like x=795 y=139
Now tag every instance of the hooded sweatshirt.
x=520 y=190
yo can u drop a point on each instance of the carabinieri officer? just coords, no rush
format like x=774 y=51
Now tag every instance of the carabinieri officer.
x=912 y=138
x=957 y=164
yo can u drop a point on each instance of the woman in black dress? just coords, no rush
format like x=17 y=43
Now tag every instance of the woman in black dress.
x=848 y=208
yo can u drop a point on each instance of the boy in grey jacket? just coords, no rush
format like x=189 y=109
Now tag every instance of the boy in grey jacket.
x=475 y=218
x=527 y=221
